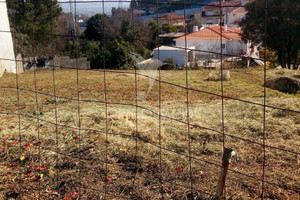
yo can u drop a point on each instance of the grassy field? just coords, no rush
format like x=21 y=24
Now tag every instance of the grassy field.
x=47 y=156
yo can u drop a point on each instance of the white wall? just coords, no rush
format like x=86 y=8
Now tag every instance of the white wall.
x=231 y=47
x=203 y=45
x=231 y=18
x=178 y=55
x=6 y=44
x=236 y=47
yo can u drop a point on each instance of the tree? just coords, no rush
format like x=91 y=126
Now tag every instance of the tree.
x=99 y=27
x=106 y=43
x=120 y=14
x=283 y=28
x=168 y=28
x=114 y=45
x=36 y=20
x=118 y=57
x=127 y=33
x=94 y=53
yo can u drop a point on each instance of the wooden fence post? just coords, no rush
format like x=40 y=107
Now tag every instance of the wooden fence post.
x=227 y=155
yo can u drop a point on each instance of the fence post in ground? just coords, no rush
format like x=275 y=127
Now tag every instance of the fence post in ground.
x=227 y=155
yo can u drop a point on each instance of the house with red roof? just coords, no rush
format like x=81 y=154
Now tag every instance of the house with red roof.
x=209 y=40
x=173 y=19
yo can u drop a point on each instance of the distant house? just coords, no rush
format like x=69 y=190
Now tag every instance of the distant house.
x=211 y=13
x=152 y=10
x=234 y=17
x=82 y=25
x=173 y=19
x=138 y=13
x=209 y=40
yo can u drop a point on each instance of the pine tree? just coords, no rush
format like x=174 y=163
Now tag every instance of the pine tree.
x=36 y=19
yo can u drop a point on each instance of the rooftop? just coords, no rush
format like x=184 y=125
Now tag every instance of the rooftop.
x=161 y=48
x=174 y=35
x=214 y=33
x=216 y=4
x=171 y=17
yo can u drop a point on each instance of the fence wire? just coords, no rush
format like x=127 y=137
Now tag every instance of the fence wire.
x=77 y=155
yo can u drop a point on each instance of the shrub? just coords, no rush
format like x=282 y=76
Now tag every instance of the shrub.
x=169 y=64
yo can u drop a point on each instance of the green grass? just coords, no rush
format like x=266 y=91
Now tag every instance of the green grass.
x=134 y=162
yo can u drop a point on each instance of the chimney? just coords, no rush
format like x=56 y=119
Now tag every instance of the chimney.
x=225 y=27
x=195 y=28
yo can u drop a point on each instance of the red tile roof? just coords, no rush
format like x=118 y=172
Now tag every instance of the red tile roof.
x=216 y=4
x=171 y=17
x=214 y=33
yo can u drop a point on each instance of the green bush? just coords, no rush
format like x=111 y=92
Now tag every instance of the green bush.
x=169 y=64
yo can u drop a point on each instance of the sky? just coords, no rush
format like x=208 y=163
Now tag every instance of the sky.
x=90 y=8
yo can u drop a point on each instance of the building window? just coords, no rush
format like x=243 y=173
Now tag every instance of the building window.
x=209 y=21
x=223 y=46
x=209 y=13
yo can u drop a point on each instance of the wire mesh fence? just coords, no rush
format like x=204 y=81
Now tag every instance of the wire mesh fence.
x=133 y=130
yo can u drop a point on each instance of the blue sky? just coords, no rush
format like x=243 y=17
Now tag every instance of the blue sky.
x=92 y=7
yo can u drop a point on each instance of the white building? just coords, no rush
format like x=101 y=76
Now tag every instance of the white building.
x=208 y=41
x=181 y=56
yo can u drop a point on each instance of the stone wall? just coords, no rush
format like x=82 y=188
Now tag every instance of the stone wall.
x=65 y=62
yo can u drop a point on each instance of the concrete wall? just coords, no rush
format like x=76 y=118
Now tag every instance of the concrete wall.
x=66 y=63
x=7 y=55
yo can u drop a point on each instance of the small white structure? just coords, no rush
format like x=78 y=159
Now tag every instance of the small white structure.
x=181 y=56
x=7 y=55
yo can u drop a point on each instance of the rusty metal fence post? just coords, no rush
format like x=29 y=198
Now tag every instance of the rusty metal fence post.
x=227 y=155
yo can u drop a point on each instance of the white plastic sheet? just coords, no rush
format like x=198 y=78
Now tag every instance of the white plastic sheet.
x=7 y=56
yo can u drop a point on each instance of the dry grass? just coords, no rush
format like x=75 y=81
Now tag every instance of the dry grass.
x=134 y=162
